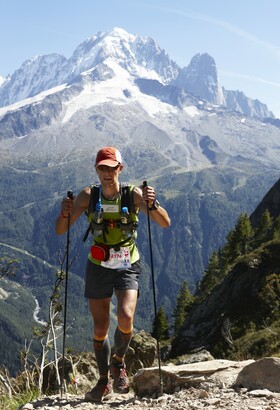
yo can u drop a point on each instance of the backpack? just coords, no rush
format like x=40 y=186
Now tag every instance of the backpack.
x=126 y=201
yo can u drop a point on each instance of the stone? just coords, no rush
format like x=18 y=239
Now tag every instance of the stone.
x=142 y=352
x=28 y=406
x=200 y=356
x=262 y=374
x=147 y=381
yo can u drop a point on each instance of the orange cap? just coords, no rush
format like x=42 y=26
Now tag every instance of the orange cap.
x=109 y=156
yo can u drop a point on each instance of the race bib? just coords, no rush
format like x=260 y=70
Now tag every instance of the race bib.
x=118 y=259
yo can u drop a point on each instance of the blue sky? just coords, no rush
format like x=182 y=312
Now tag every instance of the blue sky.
x=243 y=36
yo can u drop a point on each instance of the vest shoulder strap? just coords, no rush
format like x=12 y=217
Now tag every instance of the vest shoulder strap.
x=126 y=197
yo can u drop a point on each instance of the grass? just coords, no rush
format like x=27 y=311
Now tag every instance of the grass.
x=13 y=403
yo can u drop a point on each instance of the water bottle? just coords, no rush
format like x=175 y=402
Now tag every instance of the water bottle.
x=125 y=220
x=98 y=219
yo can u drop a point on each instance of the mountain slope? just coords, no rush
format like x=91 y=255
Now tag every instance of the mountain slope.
x=247 y=301
x=240 y=316
x=96 y=106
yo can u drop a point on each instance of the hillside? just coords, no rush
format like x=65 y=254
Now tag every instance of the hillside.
x=236 y=311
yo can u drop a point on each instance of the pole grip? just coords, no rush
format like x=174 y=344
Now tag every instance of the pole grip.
x=70 y=194
x=145 y=183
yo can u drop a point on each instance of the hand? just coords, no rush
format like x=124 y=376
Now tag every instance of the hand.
x=67 y=207
x=149 y=195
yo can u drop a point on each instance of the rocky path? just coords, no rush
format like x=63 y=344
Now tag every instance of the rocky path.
x=211 y=385
x=193 y=399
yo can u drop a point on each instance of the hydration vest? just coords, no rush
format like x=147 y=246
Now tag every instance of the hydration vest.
x=126 y=192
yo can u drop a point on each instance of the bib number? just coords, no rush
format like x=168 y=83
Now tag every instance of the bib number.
x=118 y=259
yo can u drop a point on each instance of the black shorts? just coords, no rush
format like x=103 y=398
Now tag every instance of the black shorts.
x=100 y=282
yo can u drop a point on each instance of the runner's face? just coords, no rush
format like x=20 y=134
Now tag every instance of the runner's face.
x=108 y=176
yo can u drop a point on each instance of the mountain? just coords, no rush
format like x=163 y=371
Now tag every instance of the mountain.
x=132 y=52
x=135 y=54
x=201 y=79
x=207 y=161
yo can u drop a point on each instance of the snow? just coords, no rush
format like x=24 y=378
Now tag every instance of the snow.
x=32 y=100
x=105 y=91
x=192 y=111
x=2 y=80
x=112 y=91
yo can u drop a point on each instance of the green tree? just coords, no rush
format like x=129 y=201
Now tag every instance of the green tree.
x=212 y=275
x=264 y=231
x=239 y=239
x=160 y=326
x=276 y=228
x=184 y=300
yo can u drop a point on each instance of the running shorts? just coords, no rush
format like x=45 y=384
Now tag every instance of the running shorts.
x=100 y=282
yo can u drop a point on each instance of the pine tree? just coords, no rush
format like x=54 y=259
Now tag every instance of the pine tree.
x=184 y=300
x=264 y=230
x=160 y=326
x=276 y=228
x=211 y=276
x=239 y=239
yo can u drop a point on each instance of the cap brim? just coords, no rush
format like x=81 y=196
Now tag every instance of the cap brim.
x=108 y=162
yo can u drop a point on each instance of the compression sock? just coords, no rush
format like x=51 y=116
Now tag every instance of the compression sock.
x=102 y=351
x=122 y=340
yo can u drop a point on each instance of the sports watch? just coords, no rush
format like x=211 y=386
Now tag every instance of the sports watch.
x=155 y=205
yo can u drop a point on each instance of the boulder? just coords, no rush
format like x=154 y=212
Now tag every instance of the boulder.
x=262 y=374
x=222 y=372
x=142 y=352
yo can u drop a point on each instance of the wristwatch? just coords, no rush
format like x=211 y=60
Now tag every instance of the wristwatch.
x=155 y=205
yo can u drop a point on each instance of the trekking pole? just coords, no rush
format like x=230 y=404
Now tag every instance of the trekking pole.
x=70 y=196
x=154 y=295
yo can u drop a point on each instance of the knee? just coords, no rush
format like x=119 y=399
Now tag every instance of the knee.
x=101 y=329
x=125 y=322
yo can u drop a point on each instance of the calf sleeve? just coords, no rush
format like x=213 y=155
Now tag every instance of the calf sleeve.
x=121 y=340
x=102 y=351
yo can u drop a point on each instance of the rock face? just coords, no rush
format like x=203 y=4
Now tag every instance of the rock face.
x=201 y=78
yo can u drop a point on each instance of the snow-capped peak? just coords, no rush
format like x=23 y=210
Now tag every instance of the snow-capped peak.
x=131 y=51
x=2 y=80
x=140 y=56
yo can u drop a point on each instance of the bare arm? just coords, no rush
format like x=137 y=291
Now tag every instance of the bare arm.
x=147 y=195
x=73 y=207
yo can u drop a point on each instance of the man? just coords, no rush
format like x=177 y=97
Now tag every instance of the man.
x=113 y=264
